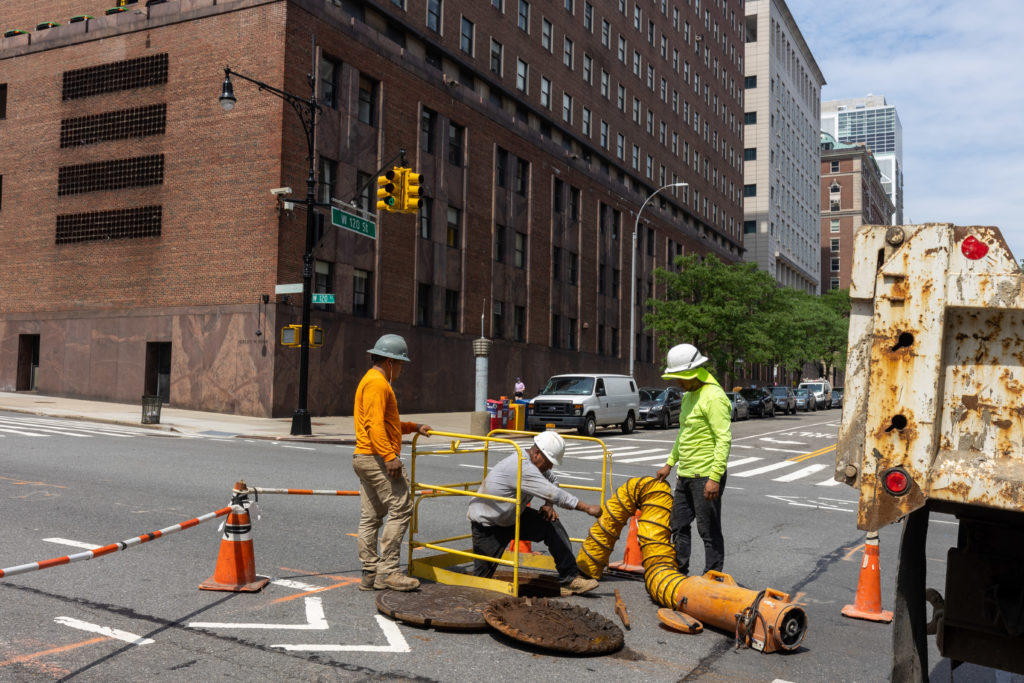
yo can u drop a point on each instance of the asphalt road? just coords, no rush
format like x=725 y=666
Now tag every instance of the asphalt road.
x=137 y=614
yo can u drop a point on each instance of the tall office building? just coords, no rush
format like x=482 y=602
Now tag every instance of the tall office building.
x=142 y=249
x=781 y=155
x=875 y=123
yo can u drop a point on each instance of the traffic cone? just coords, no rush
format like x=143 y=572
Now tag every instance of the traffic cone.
x=868 y=603
x=633 y=558
x=236 y=562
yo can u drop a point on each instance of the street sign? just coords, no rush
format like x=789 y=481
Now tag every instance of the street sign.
x=323 y=298
x=350 y=221
x=288 y=289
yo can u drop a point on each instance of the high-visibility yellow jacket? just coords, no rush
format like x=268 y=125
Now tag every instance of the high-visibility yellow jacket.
x=705 y=432
x=378 y=427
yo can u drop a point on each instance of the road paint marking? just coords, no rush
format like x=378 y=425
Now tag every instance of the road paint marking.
x=788 y=431
x=784 y=442
x=791 y=500
x=19 y=431
x=801 y=473
x=741 y=462
x=663 y=454
x=829 y=482
x=300 y=448
x=779 y=450
x=73 y=544
x=626 y=438
x=315 y=620
x=345 y=581
x=21 y=659
x=762 y=470
x=127 y=637
x=814 y=454
x=396 y=641
x=297 y=585
x=22 y=482
x=850 y=553
x=742 y=445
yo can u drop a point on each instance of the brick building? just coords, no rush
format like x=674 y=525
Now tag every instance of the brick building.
x=852 y=195
x=141 y=240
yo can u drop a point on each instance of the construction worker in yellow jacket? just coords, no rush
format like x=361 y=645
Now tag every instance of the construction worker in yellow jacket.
x=700 y=455
x=383 y=487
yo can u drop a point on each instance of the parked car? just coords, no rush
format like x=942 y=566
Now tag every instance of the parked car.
x=822 y=391
x=659 y=407
x=837 y=398
x=805 y=400
x=740 y=407
x=585 y=401
x=761 y=402
x=785 y=400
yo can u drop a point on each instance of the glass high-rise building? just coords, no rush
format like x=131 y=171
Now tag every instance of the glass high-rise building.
x=874 y=122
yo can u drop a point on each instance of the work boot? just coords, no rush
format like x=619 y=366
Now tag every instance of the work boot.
x=578 y=586
x=398 y=581
x=369 y=581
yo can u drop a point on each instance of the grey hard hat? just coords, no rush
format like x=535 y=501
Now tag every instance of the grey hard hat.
x=391 y=346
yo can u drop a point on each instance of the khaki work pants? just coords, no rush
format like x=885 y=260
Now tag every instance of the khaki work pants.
x=380 y=496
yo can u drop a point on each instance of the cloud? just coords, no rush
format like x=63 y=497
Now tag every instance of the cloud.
x=952 y=70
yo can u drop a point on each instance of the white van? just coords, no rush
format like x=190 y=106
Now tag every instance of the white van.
x=820 y=389
x=585 y=401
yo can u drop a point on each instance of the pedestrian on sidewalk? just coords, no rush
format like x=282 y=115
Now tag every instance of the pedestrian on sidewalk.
x=519 y=388
x=700 y=455
x=493 y=522
x=383 y=487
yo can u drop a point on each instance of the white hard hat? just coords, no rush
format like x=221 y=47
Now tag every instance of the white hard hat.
x=683 y=357
x=552 y=445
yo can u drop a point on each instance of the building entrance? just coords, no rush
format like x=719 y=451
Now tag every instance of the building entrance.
x=28 y=362
x=158 y=370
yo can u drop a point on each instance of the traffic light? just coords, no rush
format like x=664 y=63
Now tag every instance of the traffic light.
x=412 y=191
x=389 y=191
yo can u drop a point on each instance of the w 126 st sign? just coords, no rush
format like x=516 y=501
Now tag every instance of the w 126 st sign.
x=349 y=221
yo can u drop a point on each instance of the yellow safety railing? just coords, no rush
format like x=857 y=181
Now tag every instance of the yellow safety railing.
x=437 y=567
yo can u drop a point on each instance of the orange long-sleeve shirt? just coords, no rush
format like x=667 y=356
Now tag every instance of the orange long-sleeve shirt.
x=378 y=427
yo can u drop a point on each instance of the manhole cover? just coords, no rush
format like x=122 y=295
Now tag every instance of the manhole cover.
x=455 y=608
x=554 y=625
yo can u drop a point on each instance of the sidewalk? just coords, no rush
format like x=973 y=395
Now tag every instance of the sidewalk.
x=328 y=429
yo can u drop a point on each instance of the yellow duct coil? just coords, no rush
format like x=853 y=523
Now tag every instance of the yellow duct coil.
x=654 y=500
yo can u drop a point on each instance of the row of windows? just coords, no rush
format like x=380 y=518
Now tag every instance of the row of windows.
x=110 y=175
x=124 y=75
x=142 y=221
x=114 y=125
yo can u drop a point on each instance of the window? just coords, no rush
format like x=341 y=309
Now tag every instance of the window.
x=636 y=110
x=604 y=134
x=451 y=309
x=750 y=190
x=750 y=154
x=834 y=245
x=834 y=167
x=588 y=69
x=522 y=75
x=454 y=221
x=567 y=55
x=524 y=15
x=750 y=82
x=835 y=264
x=519 y=323
x=423 y=304
x=637 y=63
x=362 y=302
x=620 y=146
x=499 y=243
x=574 y=266
x=367 y=100
x=615 y=341
x=556 y=264
x=570 y=6
x=586 y=122
x=636 y=158
x=571 y=342
x=427 y=218
x=545 y=34
x=466 y=36
x=749 y=227
x=604 y=84
x=434 y=15
x=323 y=283
x=556 y=329
x=833 y=205
x=498 y=5
x=588 y=16
x=750 y=117
x=616 y=275
x=622 y=49
x=545 y=93
x=328 y=176
x=520 y=250
x=567 y=107
x=834 y=187
x=496 y=51
x=456 y=133
x=621 y=98
x=498 y=320
x=637 y=16
x=500 y=166
x=522 y=176
x=428 y=124
x=833 y=225
x=834 y=283
x=574 y=203
x=329 y=69
x=606 y=33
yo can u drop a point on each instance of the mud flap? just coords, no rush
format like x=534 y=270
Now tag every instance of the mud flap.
x=910 y=618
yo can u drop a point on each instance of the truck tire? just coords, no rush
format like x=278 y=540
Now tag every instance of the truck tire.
x=629 y=424
x=910 y=614
x=589 y=426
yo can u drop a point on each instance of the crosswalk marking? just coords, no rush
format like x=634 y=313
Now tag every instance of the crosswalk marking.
x=762 y=470
x=802 y=472
x=829 y=482
x=648 y=458
x=8 y=430
x=742 y=461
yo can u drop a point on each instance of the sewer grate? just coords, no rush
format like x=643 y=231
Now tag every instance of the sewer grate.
x=554 y=625
x=435 y=605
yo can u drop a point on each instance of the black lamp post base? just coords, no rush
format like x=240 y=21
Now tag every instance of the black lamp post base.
x=300 y=423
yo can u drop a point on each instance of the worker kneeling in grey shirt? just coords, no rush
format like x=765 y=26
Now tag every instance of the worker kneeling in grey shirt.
x=493 y=522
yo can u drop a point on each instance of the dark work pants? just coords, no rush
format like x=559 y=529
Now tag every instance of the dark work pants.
x=689 y=504
x=493 y=540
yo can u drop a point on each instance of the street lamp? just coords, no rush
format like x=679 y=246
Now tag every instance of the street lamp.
x=632 y=277
x=307 y=111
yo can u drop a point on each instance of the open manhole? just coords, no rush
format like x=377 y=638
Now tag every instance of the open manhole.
x=554 y=625
x=436 y=605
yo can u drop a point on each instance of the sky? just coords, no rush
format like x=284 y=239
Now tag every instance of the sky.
x=955 y=73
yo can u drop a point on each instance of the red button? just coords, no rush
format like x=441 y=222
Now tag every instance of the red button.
x=973 y=248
